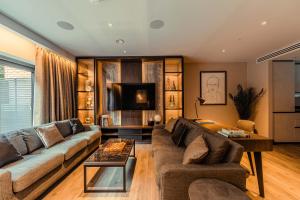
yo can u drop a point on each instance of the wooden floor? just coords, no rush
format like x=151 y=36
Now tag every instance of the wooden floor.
x=281 y=177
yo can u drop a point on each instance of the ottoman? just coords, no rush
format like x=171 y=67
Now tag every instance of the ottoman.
x=213 y=189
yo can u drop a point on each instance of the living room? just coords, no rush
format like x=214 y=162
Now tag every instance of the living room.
x=106 y=99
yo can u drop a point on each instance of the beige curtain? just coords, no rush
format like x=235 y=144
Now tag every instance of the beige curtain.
x=54 y=89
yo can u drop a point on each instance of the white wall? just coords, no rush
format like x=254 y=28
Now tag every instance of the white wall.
x=226 y=114
x=259 y=76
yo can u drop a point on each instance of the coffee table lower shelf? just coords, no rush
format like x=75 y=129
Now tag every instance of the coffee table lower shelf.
x=106 y=165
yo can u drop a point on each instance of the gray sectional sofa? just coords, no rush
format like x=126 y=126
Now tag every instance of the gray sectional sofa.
x=173 y=178
x=40 y=168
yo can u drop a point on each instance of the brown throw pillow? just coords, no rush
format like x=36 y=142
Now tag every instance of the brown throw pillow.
x=8 y=152
x=196 y=151
x=170 y=124
x=179 y=135
x=76 y=125
x=49 y=135
x=218 y=146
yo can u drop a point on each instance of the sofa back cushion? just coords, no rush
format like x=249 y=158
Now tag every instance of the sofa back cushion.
x=31 y=139
x=218 y=147
x=8 y=153
x=64 y=127
x=170 y=125
x=16 y=139
x=49 y=135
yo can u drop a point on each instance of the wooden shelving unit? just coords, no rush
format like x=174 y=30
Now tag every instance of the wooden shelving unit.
x=173 y=88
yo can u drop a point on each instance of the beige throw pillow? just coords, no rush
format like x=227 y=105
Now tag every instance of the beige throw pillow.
x=196 y=151
x=170 y=124
x=49 y=135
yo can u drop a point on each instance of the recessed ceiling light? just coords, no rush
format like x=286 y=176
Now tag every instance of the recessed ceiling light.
x=96 y=1
x=223 y=50
x=124 y=51
x=65 y=25
x=120 y=41
x=110 y=25
x=263 y=23
x=157 y=24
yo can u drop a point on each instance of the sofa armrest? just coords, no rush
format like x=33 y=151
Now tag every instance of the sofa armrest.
x=175 y=179
x=6 y=192
x=159 y=126
x=92 y=128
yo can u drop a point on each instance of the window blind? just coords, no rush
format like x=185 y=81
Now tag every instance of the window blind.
x=16 y=94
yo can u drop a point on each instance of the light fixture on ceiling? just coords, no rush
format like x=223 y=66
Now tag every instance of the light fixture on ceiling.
x=264 y=23
x=109 y=25
x=223 y=50
x=157 y=24
x=120 y=41
x=124 y=51
x=65 y=25
x=95 y=1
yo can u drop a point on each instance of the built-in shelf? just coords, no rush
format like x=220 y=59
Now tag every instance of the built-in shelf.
x=173 y=108
x=84 y=91
x=85 y=109
x=173 y=90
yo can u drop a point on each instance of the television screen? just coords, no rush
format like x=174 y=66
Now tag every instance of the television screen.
x=131 y=96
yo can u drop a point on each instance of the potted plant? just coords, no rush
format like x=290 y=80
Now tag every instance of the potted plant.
x=245 y=101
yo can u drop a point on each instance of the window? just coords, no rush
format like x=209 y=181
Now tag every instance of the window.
x=16 y=95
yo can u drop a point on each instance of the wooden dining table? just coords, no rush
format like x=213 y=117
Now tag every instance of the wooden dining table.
x=254 y=143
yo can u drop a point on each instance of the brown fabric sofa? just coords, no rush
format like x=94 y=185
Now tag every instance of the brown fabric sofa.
x=173 y=178
x=29 y=177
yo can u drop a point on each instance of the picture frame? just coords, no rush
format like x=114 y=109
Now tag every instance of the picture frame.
x=213 y=87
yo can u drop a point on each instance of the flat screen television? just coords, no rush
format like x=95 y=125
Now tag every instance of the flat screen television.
x=131 y=96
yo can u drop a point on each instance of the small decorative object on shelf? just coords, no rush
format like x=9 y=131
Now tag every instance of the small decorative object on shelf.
x=88 y=85
x=105 y=120
x=168 y=87
x=157 y=118
x=171 y=101
x=89 y=103
x=173 y=86
x=88 y=120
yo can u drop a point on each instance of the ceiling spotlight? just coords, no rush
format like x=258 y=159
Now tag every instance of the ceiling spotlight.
x=120 y=41
x=223 y=50
x=95 y=1
x=109 y=25
x=263 y=23
x=124 y=51
x=157 y=24
x=65 y=25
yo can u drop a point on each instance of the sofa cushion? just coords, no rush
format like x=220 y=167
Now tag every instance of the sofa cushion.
x=31 y=139
x=196 y=151
x=29 y=170
x=77 y=126
x=64 y=127
x=49 y=135
x=170 y=125
x=16 y=139
x=192 y=134
x=179 y=135
x=218 y=146
x=8 y=152
x=68 y=148
x=90 y=136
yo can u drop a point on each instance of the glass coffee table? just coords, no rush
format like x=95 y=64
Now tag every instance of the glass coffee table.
x=102 y=158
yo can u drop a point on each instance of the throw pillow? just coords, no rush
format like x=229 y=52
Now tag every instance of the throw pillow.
x=179 y=135
x=49 y=135
x=77 y=126
x=170 y=124
x=8 y=153
x=196 y=151
x=16 y=139
x=64 y=127
x=31 y=138
x=218 y=146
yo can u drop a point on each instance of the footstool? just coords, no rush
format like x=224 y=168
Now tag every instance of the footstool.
x=213 y=189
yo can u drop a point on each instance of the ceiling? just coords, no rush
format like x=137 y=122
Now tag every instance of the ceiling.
x=197 y=29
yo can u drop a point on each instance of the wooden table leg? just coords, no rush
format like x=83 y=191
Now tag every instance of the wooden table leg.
x=259 y=173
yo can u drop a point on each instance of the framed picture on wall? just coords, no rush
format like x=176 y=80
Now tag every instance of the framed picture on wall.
x=213 y=87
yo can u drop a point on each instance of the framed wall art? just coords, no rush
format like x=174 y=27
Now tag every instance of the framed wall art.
x=213 y=87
